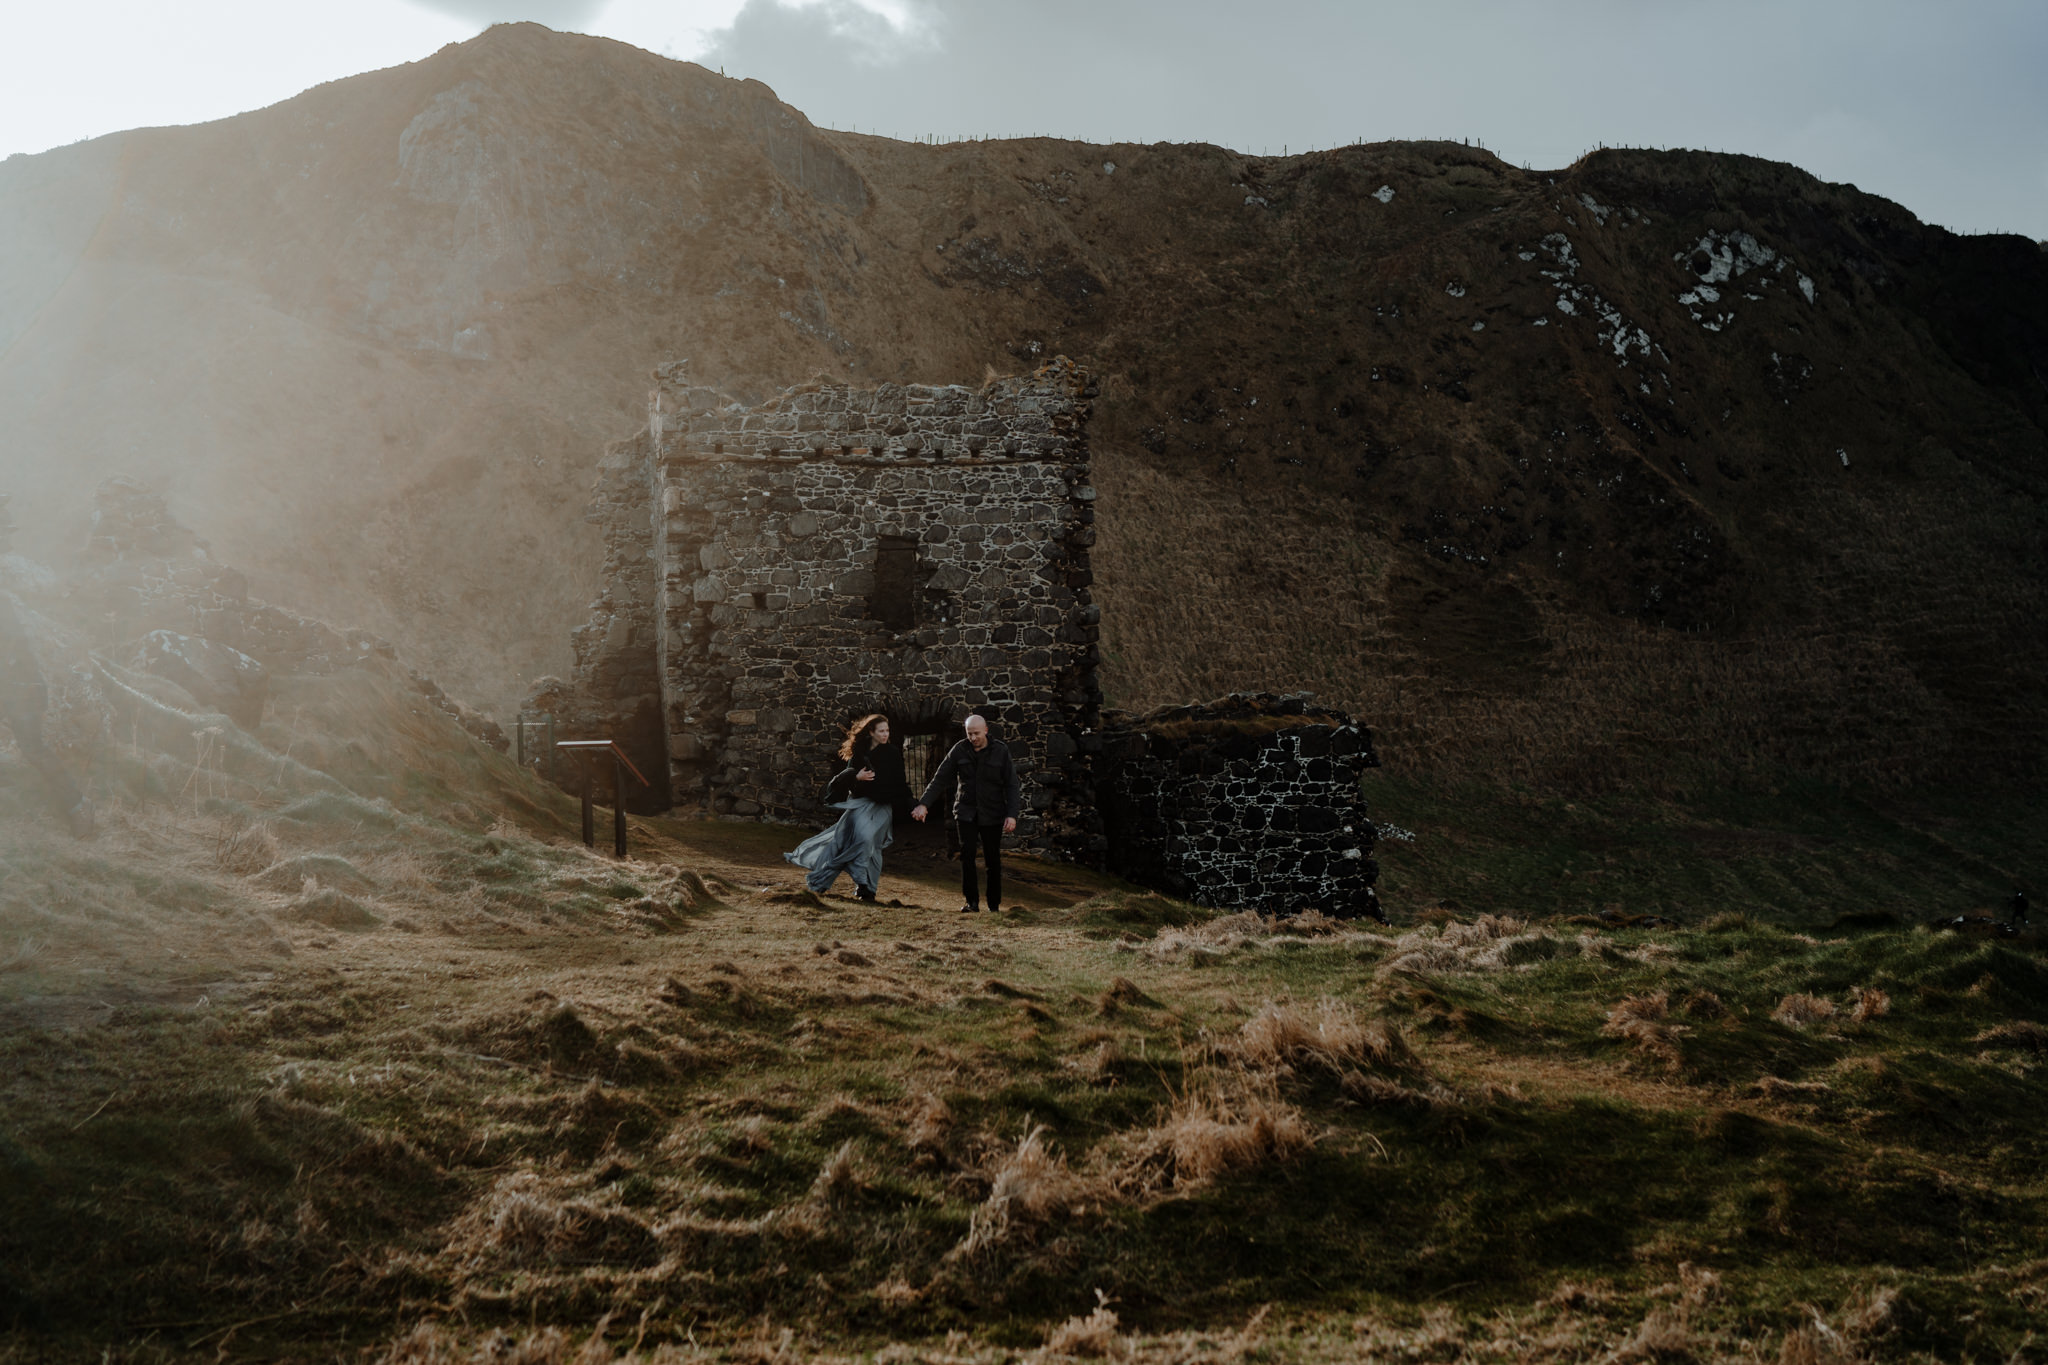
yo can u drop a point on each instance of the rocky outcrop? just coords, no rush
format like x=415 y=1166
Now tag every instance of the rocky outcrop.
x=218 y=677
x=159 y=601
x=1252 y=801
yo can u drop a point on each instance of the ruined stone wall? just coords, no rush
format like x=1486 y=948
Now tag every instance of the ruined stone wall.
x=1252 y=802
x=143 y=571
x=147 y=571
x=922 y=551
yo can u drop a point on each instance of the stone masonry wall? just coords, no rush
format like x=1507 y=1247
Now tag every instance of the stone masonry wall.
x=617 y=691
x=1252 y=801
x=922 y=551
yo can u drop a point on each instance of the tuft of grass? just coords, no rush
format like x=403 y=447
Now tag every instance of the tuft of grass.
x=1333 y=1037
x=1644 y=1021
x=22 y=957
x=2020 y=1035
x=1207 y=1131
x=1094 y=1336
x=1797 y=1011
x=1030 y=1186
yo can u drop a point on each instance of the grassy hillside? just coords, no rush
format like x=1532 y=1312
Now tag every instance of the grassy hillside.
x=352 y=1049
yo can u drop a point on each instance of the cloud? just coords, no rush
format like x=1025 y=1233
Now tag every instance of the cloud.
x=817 y=34
x=567 y=15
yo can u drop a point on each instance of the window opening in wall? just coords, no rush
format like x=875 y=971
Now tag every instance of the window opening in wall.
x=894 y=602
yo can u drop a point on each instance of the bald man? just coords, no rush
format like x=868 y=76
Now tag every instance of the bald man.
x=987 y=798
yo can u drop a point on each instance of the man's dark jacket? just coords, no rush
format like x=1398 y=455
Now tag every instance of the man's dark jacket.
x=989 y=790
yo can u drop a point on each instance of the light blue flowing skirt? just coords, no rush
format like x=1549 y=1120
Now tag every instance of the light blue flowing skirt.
x=853 y=846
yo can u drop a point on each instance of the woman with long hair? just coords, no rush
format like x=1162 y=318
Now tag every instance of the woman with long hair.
x=872 y=792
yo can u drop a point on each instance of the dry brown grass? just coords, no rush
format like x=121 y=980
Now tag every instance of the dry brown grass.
x=1848 y=1340
x=1665 y=1334
x=1434 y=1096
x=1871 y=1003
x=23 y=955
x=931 y=1122
x=1332 y=1036
x=1644 y=1022
x=1798 y=1011
x=1212 y=939
x=1705 y=1005
x=1032 y=1185
x=840 y=1177
x=1207 y=1132
x=1490 y=943
x=1100 y=1062
x=248 y=848
x=1121 y=994
x=1095 y=1335
x=2021 y=1035
x=524 y=1220
x=1571 y=1325
x=432 y=1344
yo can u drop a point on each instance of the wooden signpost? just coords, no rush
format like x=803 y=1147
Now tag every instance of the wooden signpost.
x=591 y=749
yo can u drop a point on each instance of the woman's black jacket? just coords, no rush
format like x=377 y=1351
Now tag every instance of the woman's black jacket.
x=888 y=785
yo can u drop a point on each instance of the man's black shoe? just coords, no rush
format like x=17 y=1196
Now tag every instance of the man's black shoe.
x=970 y=909
x=862 y=893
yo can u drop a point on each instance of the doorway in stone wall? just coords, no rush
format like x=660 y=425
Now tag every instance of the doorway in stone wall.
x=922 y=755
x=928 y=731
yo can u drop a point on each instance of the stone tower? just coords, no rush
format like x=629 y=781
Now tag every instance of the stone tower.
x=774 y=572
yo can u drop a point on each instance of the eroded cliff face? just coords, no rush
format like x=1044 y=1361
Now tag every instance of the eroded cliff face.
x=1542 y=443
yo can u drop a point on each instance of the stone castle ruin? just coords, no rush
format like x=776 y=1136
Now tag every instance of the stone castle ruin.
x=773 y=572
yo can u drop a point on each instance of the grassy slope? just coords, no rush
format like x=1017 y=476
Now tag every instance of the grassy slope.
x=504 y=1083
x=1801 y=853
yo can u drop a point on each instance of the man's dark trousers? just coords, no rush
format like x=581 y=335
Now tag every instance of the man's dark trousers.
x=990 y=837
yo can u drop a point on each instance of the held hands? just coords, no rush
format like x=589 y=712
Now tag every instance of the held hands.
x=864 y=775
x=918 y=813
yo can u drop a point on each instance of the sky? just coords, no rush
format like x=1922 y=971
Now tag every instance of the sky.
x=1938 y=104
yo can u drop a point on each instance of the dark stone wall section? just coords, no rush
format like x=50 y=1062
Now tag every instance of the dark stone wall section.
x=1252 y=801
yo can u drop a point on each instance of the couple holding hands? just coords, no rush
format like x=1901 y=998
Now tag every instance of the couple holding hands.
x=977 y=773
